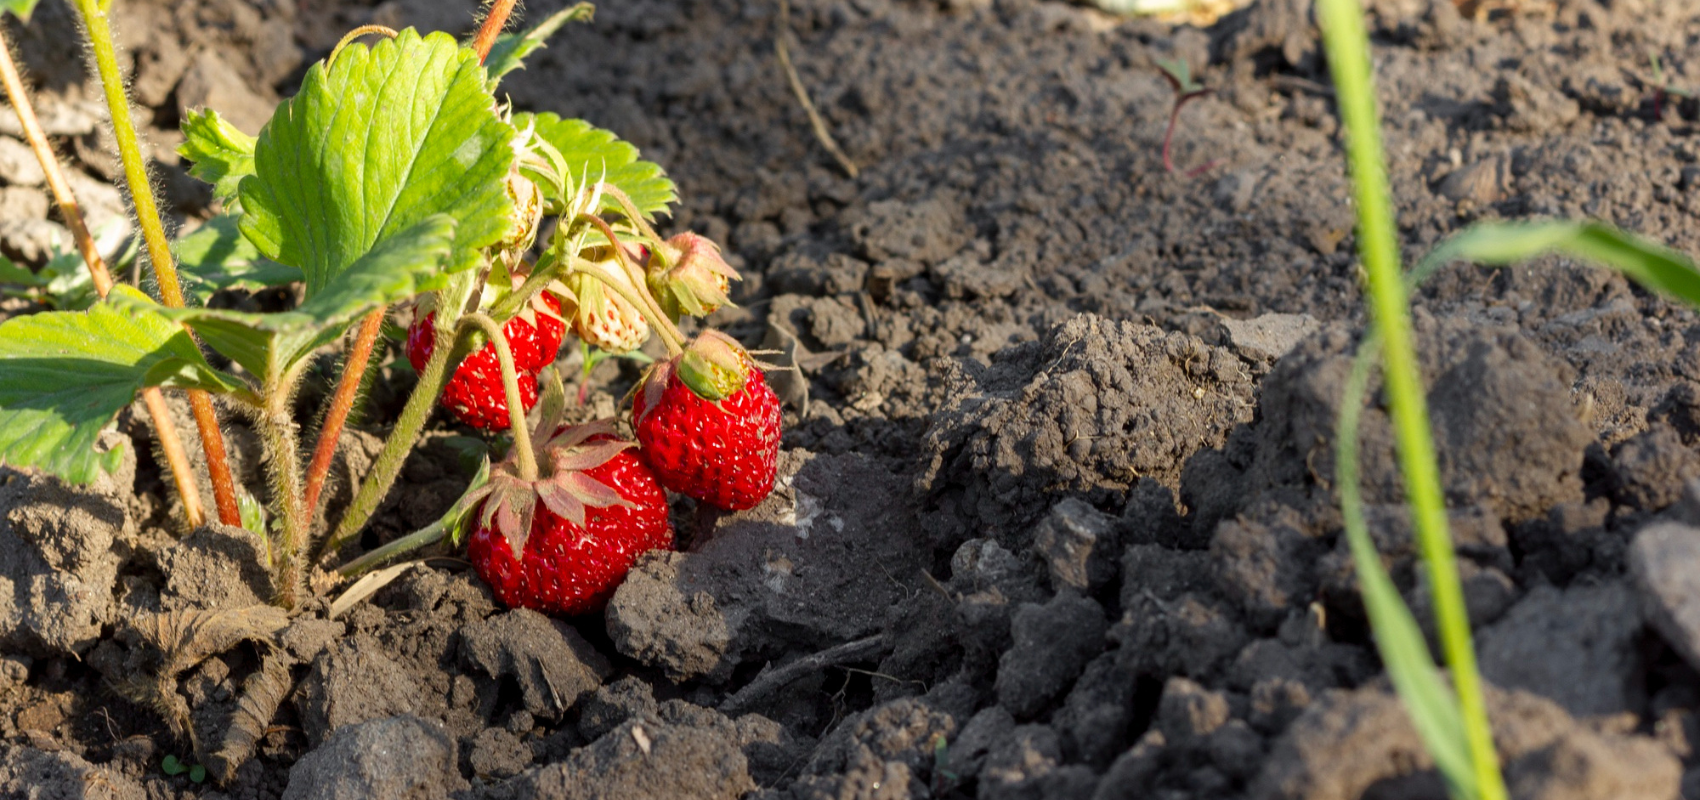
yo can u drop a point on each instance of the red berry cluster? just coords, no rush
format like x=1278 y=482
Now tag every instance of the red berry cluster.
x=707 y=426
x=474 y=393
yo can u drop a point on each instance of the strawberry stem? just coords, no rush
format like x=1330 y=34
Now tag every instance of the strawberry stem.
x=330 y=433
x=400 y=443
x=645 y=304
x=428 y=535
x=276 y=424
x=492 y=27
x=104 y=52
x=523 y=453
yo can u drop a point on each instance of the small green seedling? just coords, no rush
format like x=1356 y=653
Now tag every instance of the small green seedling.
x=943 y=778
x=1179 y=76
x=173 y=766
x=1662 y=90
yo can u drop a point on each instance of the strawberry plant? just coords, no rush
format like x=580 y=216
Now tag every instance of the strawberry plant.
x=373 y=194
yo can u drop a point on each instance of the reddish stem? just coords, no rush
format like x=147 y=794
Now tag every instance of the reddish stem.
x=218 y=461
x=1174 y=118
x=492 y=27
x=353 y=370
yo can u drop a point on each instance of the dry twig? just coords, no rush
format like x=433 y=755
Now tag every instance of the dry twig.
x=815 y=120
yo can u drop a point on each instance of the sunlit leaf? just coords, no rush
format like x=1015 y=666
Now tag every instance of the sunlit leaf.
x=64 y=375
x=267 y=345
x=593 y=154
x=387 y=136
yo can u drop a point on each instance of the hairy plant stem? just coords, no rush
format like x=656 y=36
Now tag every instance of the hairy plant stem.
x=348 y=388
x=523 y=453
x=1347 y=45
x=276 y=423
x=170 y=445
x=400 y=442
x=105 y=54
x=492 y=27
x=430 y=534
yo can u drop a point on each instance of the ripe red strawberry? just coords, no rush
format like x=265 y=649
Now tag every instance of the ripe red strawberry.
x=550 y=330
x=709 y=424
x=563 y=544
x=474 y=393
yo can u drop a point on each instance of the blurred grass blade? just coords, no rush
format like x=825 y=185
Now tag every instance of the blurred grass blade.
x=1650 y=264
x=1404 y=652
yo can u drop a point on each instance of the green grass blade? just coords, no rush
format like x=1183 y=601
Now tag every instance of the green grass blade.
x=1404 y=652
x=1347 y=45
x=1648 y=263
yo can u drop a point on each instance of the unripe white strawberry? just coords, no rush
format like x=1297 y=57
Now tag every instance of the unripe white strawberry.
x=602 y=317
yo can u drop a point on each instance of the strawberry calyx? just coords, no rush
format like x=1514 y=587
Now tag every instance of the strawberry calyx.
x=688 y=276
x=713 y=366
x=510 y=501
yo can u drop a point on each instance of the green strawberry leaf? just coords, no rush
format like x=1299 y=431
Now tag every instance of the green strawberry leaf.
x=593 y=154
x=221 y=154
x=171 y=766
x=510 y=50
x=268 y=345
x=217 y=256
x=11 y=273
x=19 y=8
x=373 y=144
x=65 y=374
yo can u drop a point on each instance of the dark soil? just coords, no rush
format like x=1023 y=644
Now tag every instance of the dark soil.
x=1057 y=516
